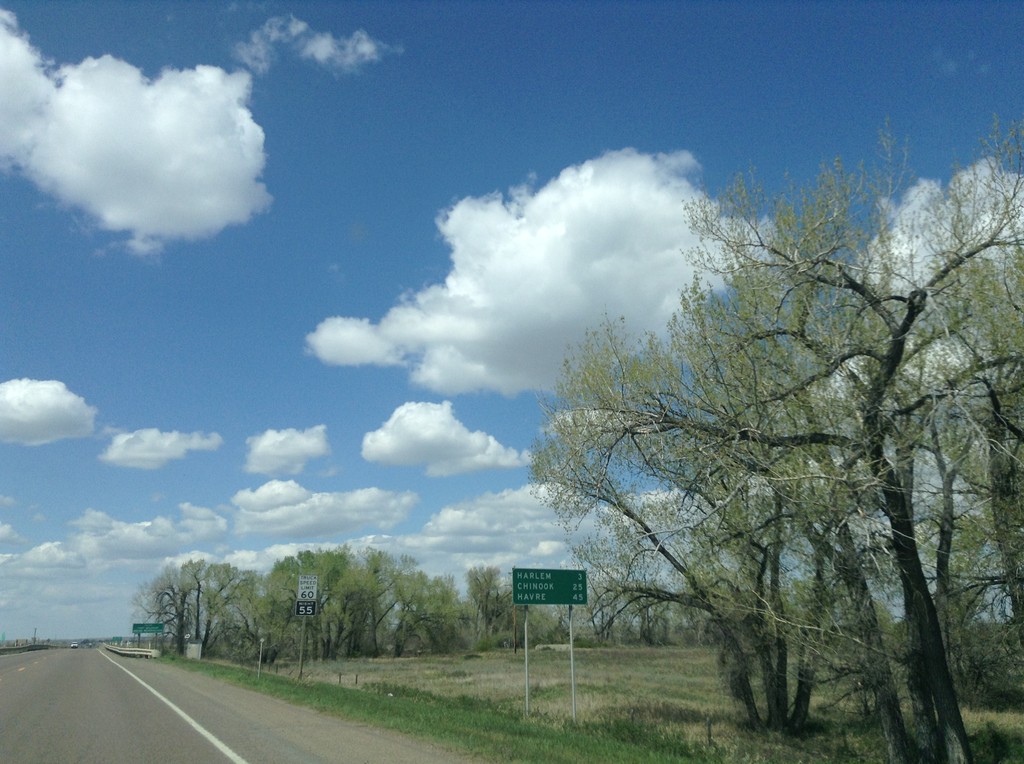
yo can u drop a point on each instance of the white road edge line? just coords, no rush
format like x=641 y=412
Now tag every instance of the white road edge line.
x=234 y=757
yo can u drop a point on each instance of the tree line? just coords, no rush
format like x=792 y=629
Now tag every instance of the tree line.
x=821 y=453
x=369 y=604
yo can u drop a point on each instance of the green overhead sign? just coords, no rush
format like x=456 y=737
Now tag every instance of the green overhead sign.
x=147 y=628
x=540 y=586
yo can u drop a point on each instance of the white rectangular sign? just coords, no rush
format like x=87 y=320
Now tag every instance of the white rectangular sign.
x=307 y=587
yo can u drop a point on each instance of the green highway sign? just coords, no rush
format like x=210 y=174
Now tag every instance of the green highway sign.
x=540 y=586
x=147 y=628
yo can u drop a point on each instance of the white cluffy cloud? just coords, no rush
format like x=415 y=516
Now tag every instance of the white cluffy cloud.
x=285 y=451
x=507 y=529
x=104 y=540
x=531 y=272
x=285 y=508
x=429 y=433
x=10 y=536
x=35 y=411
x=150 y=449
x=339 y=55
x=101 y=542
x=167 y=158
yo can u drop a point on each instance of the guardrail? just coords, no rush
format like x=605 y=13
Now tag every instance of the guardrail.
x=133 y=652
x=23 y=649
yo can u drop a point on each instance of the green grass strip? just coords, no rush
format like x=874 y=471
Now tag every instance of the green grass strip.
x=470 y=725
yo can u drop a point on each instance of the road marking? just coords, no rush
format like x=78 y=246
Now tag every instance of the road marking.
x=232 y=756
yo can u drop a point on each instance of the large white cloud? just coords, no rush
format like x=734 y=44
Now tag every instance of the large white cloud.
x=106 y=541
x=285 y=508
x=285 y=451
x=507 y=528
x=35 y=411
x=429 y=433
x=44 y=559
x=150 y=449
x=530 y=272
x=178 y=156
x=102 y=543
x=24 y=89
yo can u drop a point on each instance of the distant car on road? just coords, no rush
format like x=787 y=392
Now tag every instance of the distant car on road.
x=74 y=645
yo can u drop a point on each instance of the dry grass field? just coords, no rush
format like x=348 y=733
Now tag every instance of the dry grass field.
x=674 y=692
x=659 y=699
x=608 y=681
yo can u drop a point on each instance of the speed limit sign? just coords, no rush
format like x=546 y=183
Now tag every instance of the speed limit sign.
x=307 y=587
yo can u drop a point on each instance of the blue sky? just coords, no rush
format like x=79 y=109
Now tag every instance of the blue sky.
x=279 y=275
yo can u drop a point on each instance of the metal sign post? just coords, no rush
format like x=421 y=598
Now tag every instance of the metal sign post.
x=526 y=653
x=302 y=647
x=572 y=668
x=538 y=586
x=305 y=605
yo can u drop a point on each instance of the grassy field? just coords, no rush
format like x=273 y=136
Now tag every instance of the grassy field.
x=632 y=705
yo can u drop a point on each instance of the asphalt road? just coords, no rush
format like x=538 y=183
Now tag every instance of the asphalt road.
x=87 y=706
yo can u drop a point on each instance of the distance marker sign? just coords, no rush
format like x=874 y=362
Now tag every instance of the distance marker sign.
x=540 y=586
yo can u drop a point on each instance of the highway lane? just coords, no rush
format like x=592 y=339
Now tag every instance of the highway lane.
x=88 y=707
x=75 y=706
